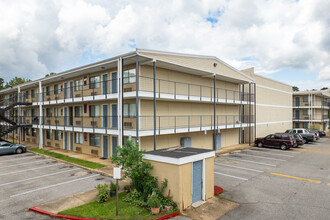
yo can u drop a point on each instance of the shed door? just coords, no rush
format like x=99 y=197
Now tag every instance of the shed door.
x=218 y=141
x=105 y=146
x=197 y=183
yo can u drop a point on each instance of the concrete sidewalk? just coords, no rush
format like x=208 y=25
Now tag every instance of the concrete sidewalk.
x=233 y=149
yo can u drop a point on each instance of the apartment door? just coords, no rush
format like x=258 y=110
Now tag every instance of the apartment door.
x=105 y=116
x=71 y=115
x=296 y=125
x=23 y=134
x=114 y=82
x=297 y=114
x=197 y=182
x=71 y=141
x=297 y=101
x=43 y=95
x=114 y=144
x=105 y=146
x=105 y=83
x=114 y=119
x=65 y=140
x=71 y=89
x=218 y=141
x=65 y=91
x=65 y=115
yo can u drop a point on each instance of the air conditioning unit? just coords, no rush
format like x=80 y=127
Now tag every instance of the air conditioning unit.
x=95 y=152
x=49 y=144
x=78 y=122
x=128 y=89
x=78 y=95
x=185 y=142
x=128 y=125
x=94 y=123
x=57 y=145
x=78 y=149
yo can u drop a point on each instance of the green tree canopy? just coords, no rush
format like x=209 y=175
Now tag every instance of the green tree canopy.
x=295 y=88
x=50 y=74
x=2 y=82
x=324 y=88
x=16 y=81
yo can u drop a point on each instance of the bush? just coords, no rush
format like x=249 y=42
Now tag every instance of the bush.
x=113 y=187
x=127 y=188
x=134 y=198
x=153 y=201
x=103 y=193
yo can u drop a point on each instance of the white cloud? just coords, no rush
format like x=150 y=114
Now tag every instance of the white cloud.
x=37 y=38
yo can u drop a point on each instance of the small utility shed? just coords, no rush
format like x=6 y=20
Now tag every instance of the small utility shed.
x=189 y=171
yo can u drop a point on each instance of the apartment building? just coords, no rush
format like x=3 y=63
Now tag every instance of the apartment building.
x=311 y=109
x=159 y=99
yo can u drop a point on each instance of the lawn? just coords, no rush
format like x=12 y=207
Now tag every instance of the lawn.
x=67 y=158
x=108 y=210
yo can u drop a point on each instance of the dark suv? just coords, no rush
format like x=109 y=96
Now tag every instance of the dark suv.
x=283 y=141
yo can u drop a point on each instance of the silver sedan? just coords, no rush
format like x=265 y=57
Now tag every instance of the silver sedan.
x=8 y=148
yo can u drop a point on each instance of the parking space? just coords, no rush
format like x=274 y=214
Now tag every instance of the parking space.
x=28 y=180
x=265 y=181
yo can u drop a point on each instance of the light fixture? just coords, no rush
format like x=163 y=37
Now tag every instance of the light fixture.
x=215 y=64
x=205 y=131
x=102 y=67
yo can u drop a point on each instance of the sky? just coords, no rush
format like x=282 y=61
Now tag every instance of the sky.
x=286 y=40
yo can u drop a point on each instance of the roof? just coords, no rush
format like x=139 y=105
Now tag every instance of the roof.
x=325 y=92
x=178 y=152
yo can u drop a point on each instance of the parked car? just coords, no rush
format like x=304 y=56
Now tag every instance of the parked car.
x=316 y=132
x=322 y=133
x=283 y=141
x=303 y=132
x=300 y=140
x=8 y=148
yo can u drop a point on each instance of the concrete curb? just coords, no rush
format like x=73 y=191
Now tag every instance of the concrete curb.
x=40 y=211
x=78 y=165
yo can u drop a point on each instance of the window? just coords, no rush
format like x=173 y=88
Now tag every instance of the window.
x=94 y=110
x=27 y=95
x=305 y=112
x=57 y=112
x=34 y=132
x=300 y=131
x=78 y=85
x=94 y=82
x=85 y=108
x=58 y=135
x=129 y=76
x=49 y=134
x=78 y=138
x=57 y=89
x=27 y=131
x=306 y=98
x=78 y=111
x=33 y=93
x=130 y=110
x=28 y=113
x=48 y=112
x=48 y=90
x=94 y=140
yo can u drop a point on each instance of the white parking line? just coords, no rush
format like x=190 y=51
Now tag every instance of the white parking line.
x=250 y=161
x=30 y=169
x=259 y=151
x=24 y=158
x=36 y=177
x=26 y=163
x=230 y=176
x=58 y=184
x=274 y=150
x=243 y=168
x=268 y=158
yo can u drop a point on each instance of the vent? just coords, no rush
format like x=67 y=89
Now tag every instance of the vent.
x=95 y=152
x=128 y=125
x=127 y=89
x=78 y=122
x=78 y=149
x=57 y=145
x=77 y=95
x=49 y=144
x=185 y=142
x=93 y=93
x=94 y=123
x=28 y=139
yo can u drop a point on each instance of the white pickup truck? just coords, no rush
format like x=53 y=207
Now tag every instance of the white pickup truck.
x=304 y=133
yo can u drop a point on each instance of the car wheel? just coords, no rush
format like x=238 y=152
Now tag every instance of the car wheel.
x=260 y=144
x=304 y=141
x=283 y=147
x=19 y=150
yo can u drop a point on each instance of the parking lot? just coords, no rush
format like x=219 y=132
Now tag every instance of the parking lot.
x=28 y=180
x=274 y=184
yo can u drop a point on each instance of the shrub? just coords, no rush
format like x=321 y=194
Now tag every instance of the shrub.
x=135 y=198
x=103 y=193
x=127 y=188
x=153 y=201
x=113 y=187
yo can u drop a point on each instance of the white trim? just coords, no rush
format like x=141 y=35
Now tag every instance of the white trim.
x=278 y=90
x=278 y=106
x=179 y=161
x=203 y=189
x=273 y=122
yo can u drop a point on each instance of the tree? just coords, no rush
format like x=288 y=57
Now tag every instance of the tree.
x=295 y=88
x=16 y=81
x=324 y=88
x=50 y=74
x=2 y=81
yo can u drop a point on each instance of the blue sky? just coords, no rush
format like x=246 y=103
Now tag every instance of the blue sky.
x=285 y=40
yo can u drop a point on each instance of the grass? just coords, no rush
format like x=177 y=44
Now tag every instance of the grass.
x=107 y=210
x=81 y=162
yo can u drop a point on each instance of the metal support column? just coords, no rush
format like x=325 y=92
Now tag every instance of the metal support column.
x=243 y=116
x=215 y=112
x=41 y=116
x=137 y=99
x=255 y=110
x=249 y=113
x=122 y=102
x=119 y=101
x=19 y=117
x=155 y=113
x=239 y=114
